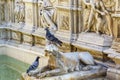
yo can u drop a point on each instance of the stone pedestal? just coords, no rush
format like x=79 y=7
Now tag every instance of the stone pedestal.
x=93 y=43
x=95 y=39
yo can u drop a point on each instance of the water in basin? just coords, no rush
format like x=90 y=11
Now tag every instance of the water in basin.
x=11 y=69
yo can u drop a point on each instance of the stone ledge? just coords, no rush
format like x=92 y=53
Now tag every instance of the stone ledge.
x=80 y=75
x=41 y=33
x=113 y=74
x=23 y=47
x=90 y=46
x=115 y=56
x=95 y=39
x=109 y=51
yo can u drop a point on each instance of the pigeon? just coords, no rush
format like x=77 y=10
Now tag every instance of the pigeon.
x=52 y=38
x=34 y=65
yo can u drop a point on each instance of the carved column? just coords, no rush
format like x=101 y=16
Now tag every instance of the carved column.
x=35 y=14
x=74 y=19
x=71 y=18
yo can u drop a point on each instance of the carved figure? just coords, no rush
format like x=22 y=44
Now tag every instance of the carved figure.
x=61 y=63
x=88 y=14
x=109 y=5
x=98 y=12
x=2 y=12
x=19 y=11
x=48 y=14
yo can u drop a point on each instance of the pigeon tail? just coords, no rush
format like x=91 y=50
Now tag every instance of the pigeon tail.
x=59 y=42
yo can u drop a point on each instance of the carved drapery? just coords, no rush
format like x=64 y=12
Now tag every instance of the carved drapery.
x=110 y=5
x=47 y=14
x=19 y=11
x=98 y=16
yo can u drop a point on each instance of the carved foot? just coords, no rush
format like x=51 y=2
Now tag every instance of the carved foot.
x=97 y=32
x=87 y=30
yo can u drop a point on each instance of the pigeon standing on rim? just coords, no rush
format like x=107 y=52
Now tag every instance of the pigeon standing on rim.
x=52 y=38
x=34 y=65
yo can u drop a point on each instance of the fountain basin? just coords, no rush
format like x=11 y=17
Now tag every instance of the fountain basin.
x=11 y=69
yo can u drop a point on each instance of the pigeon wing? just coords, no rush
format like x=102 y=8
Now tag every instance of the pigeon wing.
x=33 y=66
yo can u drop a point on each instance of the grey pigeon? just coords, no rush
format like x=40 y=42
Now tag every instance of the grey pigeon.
x=34 y=65
x=52 y=38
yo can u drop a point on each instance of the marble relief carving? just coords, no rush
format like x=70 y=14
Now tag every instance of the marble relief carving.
x=29 y=16
x=47 y=14
x=64 y=25
x=86 y=13
x=19 y=11
x=100 y=16
x=39 y=41
x=98 y=19
x=16 y=36
x=110 y=5
x=96 y=14
x=2 y=17
x=27 y=39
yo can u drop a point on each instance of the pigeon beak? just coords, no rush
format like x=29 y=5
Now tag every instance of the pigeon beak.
x=38 y=57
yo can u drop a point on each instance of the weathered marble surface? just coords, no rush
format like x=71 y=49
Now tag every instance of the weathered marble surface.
x=80 y=75
x=73 y=16
x=113 y=74
x=93 y=38
x=116 y=45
